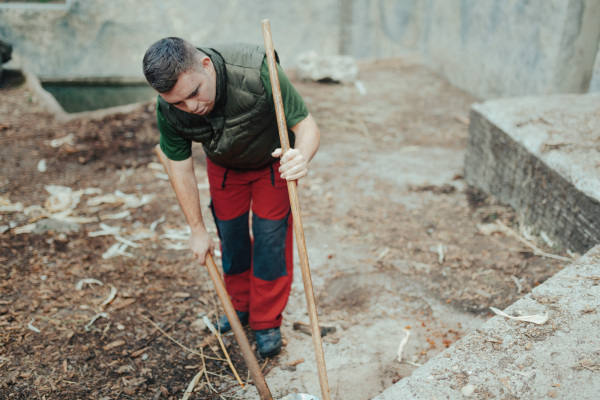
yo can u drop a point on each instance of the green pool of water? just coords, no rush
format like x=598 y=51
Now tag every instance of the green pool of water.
x=78 y=97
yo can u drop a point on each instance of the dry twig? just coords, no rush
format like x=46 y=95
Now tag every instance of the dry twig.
x=213 y=330
x=192 y=385
x=179 y=344
x=535 y=249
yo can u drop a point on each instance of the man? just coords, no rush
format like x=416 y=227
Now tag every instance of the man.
x=222 y=98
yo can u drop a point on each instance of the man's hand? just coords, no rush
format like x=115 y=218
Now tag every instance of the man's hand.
x=201 y=244
x=293 y=164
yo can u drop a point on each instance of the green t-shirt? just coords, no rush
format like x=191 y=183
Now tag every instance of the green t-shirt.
x=177 y=148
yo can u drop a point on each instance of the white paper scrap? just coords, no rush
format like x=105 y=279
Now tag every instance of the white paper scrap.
x=41 y=166
x=209 y=324
x=536 y=319
x=402 y=344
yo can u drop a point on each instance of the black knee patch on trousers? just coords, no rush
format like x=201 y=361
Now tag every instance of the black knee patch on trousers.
x=269 y=247
x=235 y=243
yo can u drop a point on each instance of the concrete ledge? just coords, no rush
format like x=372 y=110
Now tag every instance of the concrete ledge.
x=50 y=104
x=507 y=359
x=540 y=155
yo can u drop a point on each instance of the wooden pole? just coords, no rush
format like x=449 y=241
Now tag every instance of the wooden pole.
x=234 y=321
x=298 y=228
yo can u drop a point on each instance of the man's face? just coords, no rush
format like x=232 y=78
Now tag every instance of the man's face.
x=195 y=90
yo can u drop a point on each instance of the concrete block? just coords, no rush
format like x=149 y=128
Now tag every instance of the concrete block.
x=541 y=156
x=508 y=359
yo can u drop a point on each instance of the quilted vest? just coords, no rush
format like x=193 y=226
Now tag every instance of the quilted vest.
x=241 y=132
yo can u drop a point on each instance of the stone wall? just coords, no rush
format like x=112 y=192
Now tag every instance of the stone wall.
x=595 y=83
x=108 y=38
x=540 y=155
x=500 y=49
x=490 y=48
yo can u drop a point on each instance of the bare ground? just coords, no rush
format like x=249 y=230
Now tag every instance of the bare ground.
x=395 y=239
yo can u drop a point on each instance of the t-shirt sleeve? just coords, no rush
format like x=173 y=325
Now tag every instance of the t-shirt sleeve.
x=174 y=146
x=294 y=108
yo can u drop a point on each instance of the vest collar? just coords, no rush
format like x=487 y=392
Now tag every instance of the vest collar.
x=221 y=84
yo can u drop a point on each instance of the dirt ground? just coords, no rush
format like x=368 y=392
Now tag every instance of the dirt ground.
x=396 y=239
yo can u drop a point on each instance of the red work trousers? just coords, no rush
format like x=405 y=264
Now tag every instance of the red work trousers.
x=258 y=270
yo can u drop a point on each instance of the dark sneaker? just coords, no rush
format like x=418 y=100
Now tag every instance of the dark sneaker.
x=223 y=325
x=268 y=341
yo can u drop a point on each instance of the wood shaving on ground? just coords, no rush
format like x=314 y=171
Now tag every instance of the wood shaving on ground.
x=128 y=200
x=64 y=198
x=176 y=234
x=192 y=385
x=175 y=246
x=402 y=344
x=161 y=175
x=156 y=166
x=116 y=250
x=99 y=315
x=517 y=283
x=489 y=229
x=63 y=140
x=7 y=206
x=110 y=298
x=536 y=319
x=127 y=242
x=384 y=252
x=88 y=281
x=535 y=249
x=119 y=215
x=105 y=230
x=154 y=224
x=67 y=217
x=440 y=251
x=31 y=327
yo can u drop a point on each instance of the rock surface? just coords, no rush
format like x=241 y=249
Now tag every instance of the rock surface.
x=521 y=360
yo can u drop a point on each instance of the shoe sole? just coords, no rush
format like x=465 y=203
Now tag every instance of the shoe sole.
x=270 y=354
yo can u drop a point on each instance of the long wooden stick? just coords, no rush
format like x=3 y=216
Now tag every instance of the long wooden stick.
x=298 y=228
x=234 y=321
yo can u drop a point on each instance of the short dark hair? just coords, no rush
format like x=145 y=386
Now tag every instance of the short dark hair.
x=166 y=60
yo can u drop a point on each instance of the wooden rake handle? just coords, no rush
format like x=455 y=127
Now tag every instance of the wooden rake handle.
x=234 y=321
x=298 y=229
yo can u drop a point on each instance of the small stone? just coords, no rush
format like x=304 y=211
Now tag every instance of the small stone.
x=199 y=325
x=468 y=390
